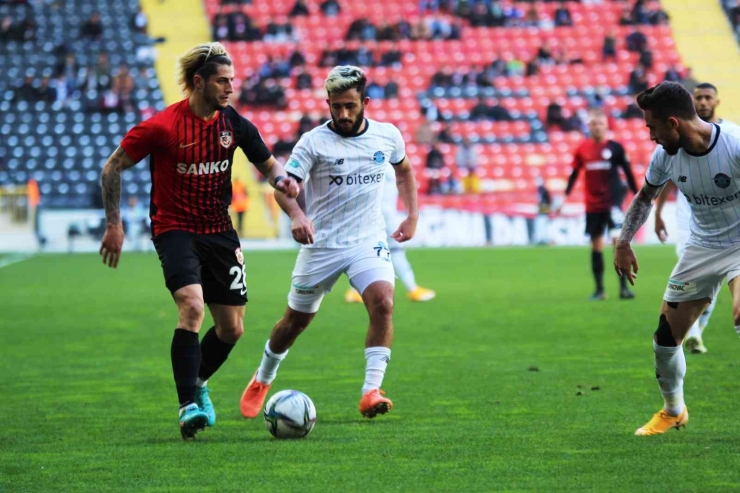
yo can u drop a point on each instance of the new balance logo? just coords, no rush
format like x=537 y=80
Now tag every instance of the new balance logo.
x=682 y=179
x=339 y=162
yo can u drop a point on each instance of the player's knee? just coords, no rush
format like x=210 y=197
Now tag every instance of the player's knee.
x=297 y=321
x=233 y=331
x=382 y=306
x=664 y=336
x=192 y=309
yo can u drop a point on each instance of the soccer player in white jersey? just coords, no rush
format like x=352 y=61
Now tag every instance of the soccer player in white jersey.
x=704 y=162
x=341 y=165
x=401 y=264
x=705 y=101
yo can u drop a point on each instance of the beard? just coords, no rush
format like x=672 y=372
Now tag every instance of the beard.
x=672 y=149
x=353 y=129
x=213 y=102
x=709 y=117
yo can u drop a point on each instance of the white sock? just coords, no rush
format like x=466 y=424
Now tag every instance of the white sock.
x=403 y=269
x=670 y=368
x=269 y=365
x=737 y=329
x=201 y=383
x=704 y=317
x=377 y=361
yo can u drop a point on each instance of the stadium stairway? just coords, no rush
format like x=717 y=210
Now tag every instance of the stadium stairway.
x=709 y=47
x=184 y=24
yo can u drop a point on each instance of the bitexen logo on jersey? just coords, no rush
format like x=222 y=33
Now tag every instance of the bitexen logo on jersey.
x=356 y=179
x=203 y=168
x=711 y=201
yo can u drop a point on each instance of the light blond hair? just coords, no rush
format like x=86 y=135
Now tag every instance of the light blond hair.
x=192 y=62
x=343 y=78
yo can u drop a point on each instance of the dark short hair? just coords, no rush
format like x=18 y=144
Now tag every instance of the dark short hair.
x=707 y=85
x=668 y=99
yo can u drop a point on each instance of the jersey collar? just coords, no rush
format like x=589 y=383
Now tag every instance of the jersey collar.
x=367 y=125
x=716 y=132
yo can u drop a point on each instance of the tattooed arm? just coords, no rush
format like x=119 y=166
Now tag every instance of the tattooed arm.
x=625 y=261
x=110 y=248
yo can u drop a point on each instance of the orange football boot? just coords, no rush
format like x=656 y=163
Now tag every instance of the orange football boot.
x=373 y=403
x=253 y=398
x=662 y=422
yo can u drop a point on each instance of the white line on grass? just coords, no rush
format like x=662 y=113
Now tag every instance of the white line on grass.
x=14 y=259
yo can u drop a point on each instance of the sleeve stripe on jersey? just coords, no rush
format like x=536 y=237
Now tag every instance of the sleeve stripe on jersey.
x=656 y=186
x=399 y=162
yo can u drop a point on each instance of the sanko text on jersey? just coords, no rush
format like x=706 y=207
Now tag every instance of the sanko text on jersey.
x=203 y=168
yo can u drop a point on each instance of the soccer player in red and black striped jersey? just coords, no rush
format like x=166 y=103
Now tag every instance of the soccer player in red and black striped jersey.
x=191 y=145
x=601 y=159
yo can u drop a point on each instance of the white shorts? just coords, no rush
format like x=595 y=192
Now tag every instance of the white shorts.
x=317 y=270
x=699 y=273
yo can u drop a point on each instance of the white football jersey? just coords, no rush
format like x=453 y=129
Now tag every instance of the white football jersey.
x=343 y=181
x=710 y=182
x=683 y=209
x=389 y=206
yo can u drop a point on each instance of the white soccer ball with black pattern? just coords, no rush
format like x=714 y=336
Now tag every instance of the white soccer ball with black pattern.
x=290 y=414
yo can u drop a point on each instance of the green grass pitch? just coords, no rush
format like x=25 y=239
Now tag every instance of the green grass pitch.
x=88 y=402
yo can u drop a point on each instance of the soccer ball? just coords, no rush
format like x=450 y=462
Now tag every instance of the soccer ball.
x=290 y=414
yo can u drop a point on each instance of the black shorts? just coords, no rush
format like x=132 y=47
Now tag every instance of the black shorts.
x=213 y=260
x=597 y=223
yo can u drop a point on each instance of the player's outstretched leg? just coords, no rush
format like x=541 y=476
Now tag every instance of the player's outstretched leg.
x=281 y=339
x=185 y=362
x=379 y=302
x=214 y=351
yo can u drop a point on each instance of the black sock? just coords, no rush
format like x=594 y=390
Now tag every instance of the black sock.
x=185 y=354
x=213 y=353
x=623 y=281
x=597 y=267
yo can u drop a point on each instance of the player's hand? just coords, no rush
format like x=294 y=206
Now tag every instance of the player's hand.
x=660 y=229
x=406 y=230
x=625 y=262
x=302 y=229
x=110 y=247
x=288 y=186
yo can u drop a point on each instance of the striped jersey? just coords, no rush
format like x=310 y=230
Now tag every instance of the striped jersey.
x=190 y=164
x=344 y=181
x=389 y=206
x=683 y=209
x=710 y=182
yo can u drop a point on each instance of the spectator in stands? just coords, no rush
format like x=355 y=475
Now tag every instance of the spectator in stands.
x=61 y=89
x=554 y=115
x=734 y=14
x=391 y=57
x=375 y=91
x=515 y=67
x=435 y=165
x=386 y=32
x=98 y=76
x=689 y=82
x=532 y=18
x=45 y=92
x=659 y=17
x=239 y=203
x=220 y=30
x=638 y=81
x=533 y=68
x=140 y=22
x=609 y=51
x=672 y=74
x=26 y=91
x=391 y=90
x=299 y=9
x=445 y=134
x=69 y=69
x=241 y=28
x=297 y=58
x=424 y=133
x=545 y=53
x=429 y=110
x=467 y=164
x=123 y=87
x=442 y=78
x=302 y=79
x=562 y=16
x=639 y=13
x=92 y=29
x=364 y=57
x=305 y=124
x=636 y=41
x=328 y=58
x=646 y=59
x=421 y=31
x=484 y=111
x=278 y=33
x=625 y=19
x=330 y=8
x=8 y=32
